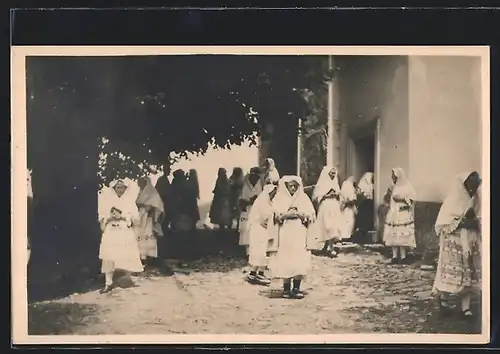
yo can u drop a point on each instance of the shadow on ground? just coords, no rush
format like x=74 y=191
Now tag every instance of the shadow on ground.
x=419 y=316
x=200 y=251
x=60 y=318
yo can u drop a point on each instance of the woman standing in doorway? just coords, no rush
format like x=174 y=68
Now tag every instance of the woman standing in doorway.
x=326 y=195
x=399 y=228
x=458 y=227
x=348 y=207
x=220 y=210
x=293 y=215
x=118 y=248
x=364 y=218
x=252 y=187
x=149 y=226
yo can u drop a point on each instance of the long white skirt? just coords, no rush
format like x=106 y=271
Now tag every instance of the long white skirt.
x=119 y=245
x=329 y=221
x=292 y=258
x=259 y=239
x=347 y=226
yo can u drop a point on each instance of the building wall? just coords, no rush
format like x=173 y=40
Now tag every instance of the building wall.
x=445 y=121
x=377 y=87
x=445 y=134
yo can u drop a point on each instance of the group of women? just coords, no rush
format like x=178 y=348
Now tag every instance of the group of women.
x=338 y=208
x=133 y=223
x=283 y=227
x=279 y=224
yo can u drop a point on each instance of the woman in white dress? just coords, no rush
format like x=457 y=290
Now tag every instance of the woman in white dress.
x=326 y=195
x=399 y=226
x=458 y=227
x=252 y=187
x=260 y=217
x=348 y=207
x=293 y=215
x=119 y=249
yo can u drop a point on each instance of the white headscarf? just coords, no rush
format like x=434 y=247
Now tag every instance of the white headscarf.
x=284 y=200
x=402 y=188
x=272 y=175
x=126 y=203
x=348 y=192
x=325 y=183
x=365 y=185
x=456 y=204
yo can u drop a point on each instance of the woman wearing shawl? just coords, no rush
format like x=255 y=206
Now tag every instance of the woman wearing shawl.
x=293 y=214
x=326 y=195
x=348 y=207
x=163 y=187
x=399 y=228
x=458 y=227
x=118 y=249
x=151 y=214
x=193 y=195
x=251 y=190
x=236 y=181
x=220 y=210
x=364 y=218
x=259 y=218
x=271 y=174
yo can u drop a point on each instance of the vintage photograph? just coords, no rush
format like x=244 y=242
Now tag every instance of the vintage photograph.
x=321 y=192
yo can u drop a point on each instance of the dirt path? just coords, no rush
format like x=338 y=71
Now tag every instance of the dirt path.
x=354 y=293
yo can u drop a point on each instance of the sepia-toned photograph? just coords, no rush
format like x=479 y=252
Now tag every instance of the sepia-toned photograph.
x=250 y=194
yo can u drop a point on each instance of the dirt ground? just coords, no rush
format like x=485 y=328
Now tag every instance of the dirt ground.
x=357 y=292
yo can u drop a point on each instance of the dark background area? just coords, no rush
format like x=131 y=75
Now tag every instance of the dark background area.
x=273 y=27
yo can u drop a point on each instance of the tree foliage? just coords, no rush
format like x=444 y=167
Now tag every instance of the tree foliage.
x=149 y=107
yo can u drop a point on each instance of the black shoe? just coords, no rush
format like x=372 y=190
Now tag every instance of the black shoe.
x=262 y=279
x=252 y=278
x=394 y=261
x=404 y=261
x=296 y=294
x=287 y=294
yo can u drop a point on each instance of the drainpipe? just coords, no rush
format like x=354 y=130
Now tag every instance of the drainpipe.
x=332 y=149
x=299 y=147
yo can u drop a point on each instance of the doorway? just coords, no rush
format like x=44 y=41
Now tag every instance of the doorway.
x=362 y=156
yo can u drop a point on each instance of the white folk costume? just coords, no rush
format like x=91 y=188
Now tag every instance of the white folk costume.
x=326 y=195
x=249 y=194
x=459 y=264
x=292 y=258
x=399 y=228
x=259 y=227
x=119 y=249
x=348 y=208
x=149 y=225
